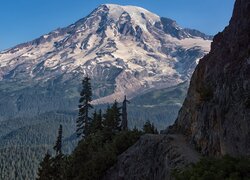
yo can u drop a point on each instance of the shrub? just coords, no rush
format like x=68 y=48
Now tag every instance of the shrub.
x=97 y=153
x=217 y=169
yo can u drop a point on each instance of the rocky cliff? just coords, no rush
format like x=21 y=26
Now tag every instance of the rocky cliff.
x=215 y=116
x=153 y=157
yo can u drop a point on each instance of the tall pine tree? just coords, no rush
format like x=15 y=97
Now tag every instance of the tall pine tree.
x=116 y=110
x=57 y=161
x=58 y=145
x=112 y=118
x=84 y=121
x=45 y=171
x=96 y=124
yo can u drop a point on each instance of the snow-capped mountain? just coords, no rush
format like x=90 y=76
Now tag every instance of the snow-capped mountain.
x=125 y=49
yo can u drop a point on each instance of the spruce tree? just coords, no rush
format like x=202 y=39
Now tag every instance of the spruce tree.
x=108 y=119
x=149 y=128
x=96 y=124
x=57 y=161
x=100 y=120
x=45 y=171
x=58 y=167
x=116 y=110
x=112 y=118
x=83 y=121
x=58 y=145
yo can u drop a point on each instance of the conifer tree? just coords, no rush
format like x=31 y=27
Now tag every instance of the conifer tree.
x=58 y=145
x=57 y=167
x=100 y=120
x=96 y=124
x=112 y=118
x=116 y=110
x=108 y=119
x=83 y=121
x=57 y=161
x=124 y=125
x=149 y=128
x=45 y=169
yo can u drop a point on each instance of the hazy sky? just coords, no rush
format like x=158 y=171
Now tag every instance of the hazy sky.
x=24 y=20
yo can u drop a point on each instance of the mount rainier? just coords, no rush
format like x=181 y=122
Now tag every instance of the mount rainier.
x=126 y=50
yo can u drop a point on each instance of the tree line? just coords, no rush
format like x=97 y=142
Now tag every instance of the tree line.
x=103 y=136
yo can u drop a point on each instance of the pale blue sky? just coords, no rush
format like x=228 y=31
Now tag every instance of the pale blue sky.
x=24 y=20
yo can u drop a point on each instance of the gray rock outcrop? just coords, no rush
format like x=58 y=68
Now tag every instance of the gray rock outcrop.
x=216 y=113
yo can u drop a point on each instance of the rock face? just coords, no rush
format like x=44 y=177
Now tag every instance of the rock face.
x=216 y=113
x=153 y=157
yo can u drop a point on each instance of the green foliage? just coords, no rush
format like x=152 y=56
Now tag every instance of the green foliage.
x=149 y=128
x=20 y=162
x=97 y=123
x=112 y=118
x=28 y=131
x=59 y=164
x=96 y=154
x=53 y=168
x=83 y=121
x=125 y=139
x=58 y=145
x=23 y=146
x=227 y=168
x=45 y=171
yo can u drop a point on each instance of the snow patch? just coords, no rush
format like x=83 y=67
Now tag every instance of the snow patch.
x=136 y=14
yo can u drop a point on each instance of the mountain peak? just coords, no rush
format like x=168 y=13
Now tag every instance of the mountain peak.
x=125 y=7
x=137 y=14
x=142 y=17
